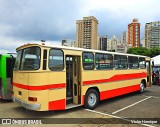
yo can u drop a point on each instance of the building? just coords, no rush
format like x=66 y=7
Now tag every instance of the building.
x=120 y=47
x=111 y=43
x=125 y=38
x=87 y=33
x=143 y=42
x=103 y=43
x=152 y=34
x=67 y=42
x=134 y=34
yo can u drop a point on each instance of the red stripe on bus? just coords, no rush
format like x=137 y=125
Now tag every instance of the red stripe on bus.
x=117 y=92
x=116 y=78
x=43 y=87
x=57 y=105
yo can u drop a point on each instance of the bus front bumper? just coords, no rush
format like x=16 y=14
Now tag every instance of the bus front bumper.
x=25 y=104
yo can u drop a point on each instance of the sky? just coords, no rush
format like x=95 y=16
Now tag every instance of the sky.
x=29 y=21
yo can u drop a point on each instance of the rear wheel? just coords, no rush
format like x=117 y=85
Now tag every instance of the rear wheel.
x=91 y=99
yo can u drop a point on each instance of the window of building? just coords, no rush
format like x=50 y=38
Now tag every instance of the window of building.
x=88 y=60
x=56 y=60
x=133 y=62
x=120 y=62
x=104 y=61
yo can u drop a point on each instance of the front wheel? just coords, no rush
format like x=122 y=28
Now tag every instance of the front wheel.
x=141 y=88
x=91 y=99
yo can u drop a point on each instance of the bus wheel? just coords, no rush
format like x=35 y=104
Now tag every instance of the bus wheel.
x=141 y=87
x=91 y=99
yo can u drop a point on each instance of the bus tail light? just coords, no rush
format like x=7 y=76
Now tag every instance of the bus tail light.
x=34 y=99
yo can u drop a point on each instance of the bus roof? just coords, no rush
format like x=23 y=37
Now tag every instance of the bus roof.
x=76 y=49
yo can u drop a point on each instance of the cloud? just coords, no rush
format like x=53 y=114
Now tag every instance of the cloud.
x=53 y=20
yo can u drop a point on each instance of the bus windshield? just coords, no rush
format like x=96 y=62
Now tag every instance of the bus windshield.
x=28 y=59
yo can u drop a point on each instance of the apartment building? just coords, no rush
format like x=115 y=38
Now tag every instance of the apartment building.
x=87 y=33
x=134 y=34
x=152 y=34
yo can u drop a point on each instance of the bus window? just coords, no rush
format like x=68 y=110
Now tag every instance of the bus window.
x=142 y=63
x=9 y=67
x=30 y=59
x=88 y=61
x=133 y=62
x=56 y=60
x=120 y=62
x=104 y=61
x=18 y=59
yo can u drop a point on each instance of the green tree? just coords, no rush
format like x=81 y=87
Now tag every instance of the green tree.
x=144 y=51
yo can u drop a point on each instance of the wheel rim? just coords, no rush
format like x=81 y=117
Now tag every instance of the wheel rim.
x=92 y=98
x=142 y=87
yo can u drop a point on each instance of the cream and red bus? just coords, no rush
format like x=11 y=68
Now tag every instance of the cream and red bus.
x=49 y=77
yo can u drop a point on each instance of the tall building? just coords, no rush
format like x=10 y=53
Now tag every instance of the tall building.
x=134 y=34
x=87 y=33
x=152 y=34
x=103 y=43
x=125 y=38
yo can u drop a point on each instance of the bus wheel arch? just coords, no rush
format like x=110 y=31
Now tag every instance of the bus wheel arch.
x=144 y=82
x=92 y=98
x=142 y=85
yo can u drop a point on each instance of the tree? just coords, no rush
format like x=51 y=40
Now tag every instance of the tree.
x=144 y=51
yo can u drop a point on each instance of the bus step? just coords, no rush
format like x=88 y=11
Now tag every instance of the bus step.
x=69 y=100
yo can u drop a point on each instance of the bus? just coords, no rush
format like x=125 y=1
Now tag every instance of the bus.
x=6 y=74
x=47 y=77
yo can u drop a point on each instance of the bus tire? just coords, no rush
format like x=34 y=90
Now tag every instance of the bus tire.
x=141 y=87
x=91 y=99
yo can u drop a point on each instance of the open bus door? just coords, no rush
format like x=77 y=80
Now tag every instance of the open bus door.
x=73 y=80
x=149 y=72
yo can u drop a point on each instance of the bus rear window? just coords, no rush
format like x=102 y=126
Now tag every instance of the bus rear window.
x=28 y=59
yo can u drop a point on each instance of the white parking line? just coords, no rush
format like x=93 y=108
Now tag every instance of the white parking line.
x=147 y=125
x=151 y=96
x=131 y=105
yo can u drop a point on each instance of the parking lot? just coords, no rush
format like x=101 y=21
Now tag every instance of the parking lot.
x=134 y=105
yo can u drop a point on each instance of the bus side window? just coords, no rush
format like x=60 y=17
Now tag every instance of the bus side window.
x=104 y=61
x=56 y=60
x=142 y=63
x=120 y=62
x=133 y=62
x=88 y=60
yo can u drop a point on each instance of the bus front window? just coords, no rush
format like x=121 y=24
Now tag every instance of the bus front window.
x=28 y=59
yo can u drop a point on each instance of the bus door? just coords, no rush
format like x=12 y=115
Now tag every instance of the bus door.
x=149 y=73
x=76 y=80
x=73 y=78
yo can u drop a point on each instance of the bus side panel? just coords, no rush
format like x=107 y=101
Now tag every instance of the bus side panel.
x=3 y=75
x=119 y=91
x=58 y=102
x=57 y=94
x=114 y=82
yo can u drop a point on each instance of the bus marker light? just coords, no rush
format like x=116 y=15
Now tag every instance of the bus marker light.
x=32 y=99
